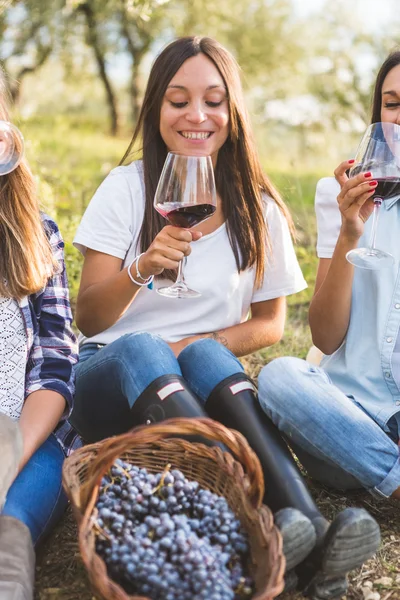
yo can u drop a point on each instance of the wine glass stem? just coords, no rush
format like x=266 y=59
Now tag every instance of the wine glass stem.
x=375 y=218
x=180 y=279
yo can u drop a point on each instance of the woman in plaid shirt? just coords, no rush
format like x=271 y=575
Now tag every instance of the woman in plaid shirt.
x=37 y=354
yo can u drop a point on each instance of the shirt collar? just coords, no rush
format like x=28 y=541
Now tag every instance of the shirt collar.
x=389 y=203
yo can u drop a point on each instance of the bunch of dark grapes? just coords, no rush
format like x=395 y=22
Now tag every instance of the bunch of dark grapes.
x=165 y=537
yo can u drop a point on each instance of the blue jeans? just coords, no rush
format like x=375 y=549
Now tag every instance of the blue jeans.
x=109 y=379
x=36 y=497
x=334 y=438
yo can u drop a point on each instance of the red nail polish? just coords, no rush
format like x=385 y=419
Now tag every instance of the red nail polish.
x=373 y=183
x=351 y=161
x=368 y=174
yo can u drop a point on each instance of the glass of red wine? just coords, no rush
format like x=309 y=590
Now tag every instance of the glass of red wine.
x=378 y=152
x=11 y=147
x=185 y=196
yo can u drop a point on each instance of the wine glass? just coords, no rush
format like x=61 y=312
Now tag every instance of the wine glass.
x=185 y=196
x=11 y=147
x=379 y=152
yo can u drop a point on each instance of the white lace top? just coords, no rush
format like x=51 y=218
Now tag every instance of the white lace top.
x=13 y=356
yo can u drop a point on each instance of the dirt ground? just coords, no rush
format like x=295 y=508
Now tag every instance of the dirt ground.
x=61 y=575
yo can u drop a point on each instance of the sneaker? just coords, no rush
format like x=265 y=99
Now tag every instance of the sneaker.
x=11 y=453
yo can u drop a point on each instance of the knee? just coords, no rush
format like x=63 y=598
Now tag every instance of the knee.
x=141 y=346
x=205 y=353
x=118 y=357
x=280 y=370
x=278 y=379
x=201 y=347
x=141 y=341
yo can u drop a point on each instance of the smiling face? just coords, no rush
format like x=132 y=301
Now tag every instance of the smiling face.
x=390 y=108
x=194 y=117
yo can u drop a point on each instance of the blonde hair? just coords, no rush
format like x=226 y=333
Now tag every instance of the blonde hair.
x=26 y=258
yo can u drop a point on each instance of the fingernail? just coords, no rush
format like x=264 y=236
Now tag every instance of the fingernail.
x=368 y=174
x=351 y=161
x=372 y=183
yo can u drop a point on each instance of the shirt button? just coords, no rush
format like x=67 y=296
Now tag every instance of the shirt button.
x=398 y=403
x=387 y=374
x=389 y=340
x=397 y=306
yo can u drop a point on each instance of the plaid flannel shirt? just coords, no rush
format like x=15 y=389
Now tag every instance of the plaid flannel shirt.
x=51 y=344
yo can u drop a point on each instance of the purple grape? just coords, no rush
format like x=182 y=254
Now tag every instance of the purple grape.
x=164 y=536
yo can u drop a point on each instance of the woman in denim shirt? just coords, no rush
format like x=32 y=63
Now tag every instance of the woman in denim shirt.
x=37 y=354
x=343 y=418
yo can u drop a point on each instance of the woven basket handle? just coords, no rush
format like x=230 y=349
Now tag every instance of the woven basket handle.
x=206 y=428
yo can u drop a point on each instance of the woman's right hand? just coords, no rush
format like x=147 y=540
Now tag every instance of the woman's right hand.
x=355 y=200
x=166 y=251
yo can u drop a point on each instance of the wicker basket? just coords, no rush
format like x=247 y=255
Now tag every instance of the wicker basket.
x=152 y=447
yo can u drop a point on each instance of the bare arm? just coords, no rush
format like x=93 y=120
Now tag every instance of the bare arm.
x=264 y=328
x=106 y=291
x=40 y=414
x=330 y=307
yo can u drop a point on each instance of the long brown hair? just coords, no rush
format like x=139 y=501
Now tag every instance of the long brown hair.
x=26 y=259
x=391 y=61
x=239 y=177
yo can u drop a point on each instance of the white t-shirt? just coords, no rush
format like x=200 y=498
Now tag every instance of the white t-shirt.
x=111 y=224
x=329 y=219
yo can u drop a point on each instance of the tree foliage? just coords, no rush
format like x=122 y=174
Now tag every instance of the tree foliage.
x=281 y=56
x=28 y=32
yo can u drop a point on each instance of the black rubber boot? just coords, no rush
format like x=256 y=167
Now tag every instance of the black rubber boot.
x=234 y=404
x=166 y=397
x=352 y=537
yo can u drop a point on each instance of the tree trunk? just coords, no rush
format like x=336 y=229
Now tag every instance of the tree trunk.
x=15 y=89
x=137 y=45
x=93 y=40
x=135 y=86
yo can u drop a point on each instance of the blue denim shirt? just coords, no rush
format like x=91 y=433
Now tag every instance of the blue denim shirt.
x=51 y=344
x=362 y=366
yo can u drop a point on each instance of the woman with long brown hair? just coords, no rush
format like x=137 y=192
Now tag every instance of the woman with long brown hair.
x=144 y=357
x=37 y=354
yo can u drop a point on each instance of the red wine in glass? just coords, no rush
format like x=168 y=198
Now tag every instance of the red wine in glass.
x=379 y=153
x=387 y=187
x=185 y=196
x=186 y=216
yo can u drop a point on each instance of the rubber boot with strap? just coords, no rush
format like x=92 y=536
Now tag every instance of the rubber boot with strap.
x=168 y=397
x=352 y=538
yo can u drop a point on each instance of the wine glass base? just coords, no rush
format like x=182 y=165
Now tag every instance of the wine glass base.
x=178 y=291
x=368 y=258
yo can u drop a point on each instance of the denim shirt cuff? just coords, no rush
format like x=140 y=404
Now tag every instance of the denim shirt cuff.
x=390 y=484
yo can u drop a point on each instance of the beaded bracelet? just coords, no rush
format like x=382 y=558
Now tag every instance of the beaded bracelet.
x=147 y=281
